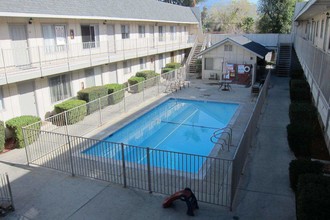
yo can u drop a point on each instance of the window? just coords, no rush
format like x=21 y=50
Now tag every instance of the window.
x=161 y=33
x=306 y=28
x=143 y=64
x=90 y=36
x=228 y=47
x=54 y=37
x=142 y=31
x=60 y=87
x=90 y=77
x=125 y=31
x=1 y=99
x=317 y=28
x=172 y=32
x=161 y=61
x=127 y=66
x=208 y=64
x=322 y=28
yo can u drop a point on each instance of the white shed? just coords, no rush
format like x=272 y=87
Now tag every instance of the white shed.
x=234 y=57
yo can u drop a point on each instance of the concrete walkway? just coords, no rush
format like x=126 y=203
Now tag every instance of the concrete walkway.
x=264 y=192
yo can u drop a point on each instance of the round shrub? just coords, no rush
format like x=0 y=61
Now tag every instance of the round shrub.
x=15 y=125
x=76 y=110
x=2 y=136
x=116 y=93
x=300 y=138
x=300 y=95
x=302 y=111
x=136 y=84
x=298 y=167
x=312 y=197
x=166 y=70
x=92 y=93
x=173 y=65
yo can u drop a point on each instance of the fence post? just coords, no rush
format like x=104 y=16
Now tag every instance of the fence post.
x=148 y=169
x=123 y=164
x=124 y=101
x=70 y=151
x=158 y=83
x=26 y=146
x=100 y=112
x=10 y=193
x=143 y=84
x=66 y=122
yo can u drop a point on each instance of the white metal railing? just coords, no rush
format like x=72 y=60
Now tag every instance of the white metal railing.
x=26 y=63
x=6 y=197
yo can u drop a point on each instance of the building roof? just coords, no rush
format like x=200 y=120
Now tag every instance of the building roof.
x=307 y=10
x=145 y=10
x=242 y=41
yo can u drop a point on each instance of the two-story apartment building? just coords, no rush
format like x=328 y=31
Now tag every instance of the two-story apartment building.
x=51 y=49
x=311 y=32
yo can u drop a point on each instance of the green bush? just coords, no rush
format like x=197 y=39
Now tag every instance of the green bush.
x=91 y=94
x=298 y=167
x=15 y=125
x=302 y=111
x=300 y=138
x=2 y=136
x=150 y=77
x=298 y=74
x=300 y=95
x=136 y=84
x=117 y=91
x=166 y=70
x=299 y=83
x=173 y=65
x=313 y=197
x=78 y=110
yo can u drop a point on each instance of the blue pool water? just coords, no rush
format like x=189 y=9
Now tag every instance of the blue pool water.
x=177 y=125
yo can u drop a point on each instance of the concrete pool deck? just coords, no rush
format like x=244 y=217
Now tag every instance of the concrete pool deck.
x=264 y=191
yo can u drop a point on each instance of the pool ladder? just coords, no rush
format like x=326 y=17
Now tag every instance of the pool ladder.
x=218 y=138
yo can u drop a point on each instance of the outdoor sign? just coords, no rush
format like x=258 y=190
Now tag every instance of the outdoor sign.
x=60 y=35
x=231 y=69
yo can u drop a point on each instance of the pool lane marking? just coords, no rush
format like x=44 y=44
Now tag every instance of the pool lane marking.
x=170 y=134
x=200 y=126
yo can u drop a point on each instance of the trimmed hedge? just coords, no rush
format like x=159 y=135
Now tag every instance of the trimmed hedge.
x=92 y=93
x=136 y=84
x=299 y=83
x=2 y=136
x=300 y=95
x=313 y=197
x=299 y=167
x=166 y=70
x=117 y=91
x=76 y=113
x=298 y=74
x=150 y=77
x=300 y=138
x=173 y=65
x=15 y=125
x=302 y=111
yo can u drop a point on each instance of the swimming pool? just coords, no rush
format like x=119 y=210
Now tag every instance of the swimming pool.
x=177 y=125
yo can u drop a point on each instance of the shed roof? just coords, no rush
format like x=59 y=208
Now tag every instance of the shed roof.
x=242 y=41
x=146 y=10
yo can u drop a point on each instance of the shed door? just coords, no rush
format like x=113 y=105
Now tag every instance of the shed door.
x=20 y=46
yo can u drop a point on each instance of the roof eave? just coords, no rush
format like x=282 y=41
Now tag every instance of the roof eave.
x=32 y=15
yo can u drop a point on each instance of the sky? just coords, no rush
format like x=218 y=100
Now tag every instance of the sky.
x=209 y=3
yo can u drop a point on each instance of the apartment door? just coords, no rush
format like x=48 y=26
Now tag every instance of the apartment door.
x=90 y=77
x=113 y=78
x=152 y=35
x=111 y=38
x=20 y=45
x=27 y=100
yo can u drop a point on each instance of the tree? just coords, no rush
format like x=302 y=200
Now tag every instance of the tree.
x=276 y=15
x=233 y=18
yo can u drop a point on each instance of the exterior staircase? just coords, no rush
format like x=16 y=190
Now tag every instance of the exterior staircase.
x=284 y=60
x=192 y=65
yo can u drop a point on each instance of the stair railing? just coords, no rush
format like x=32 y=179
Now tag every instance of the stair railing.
x=191 y=54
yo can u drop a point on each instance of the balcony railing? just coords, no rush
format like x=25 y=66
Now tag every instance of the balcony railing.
x=18 y=64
